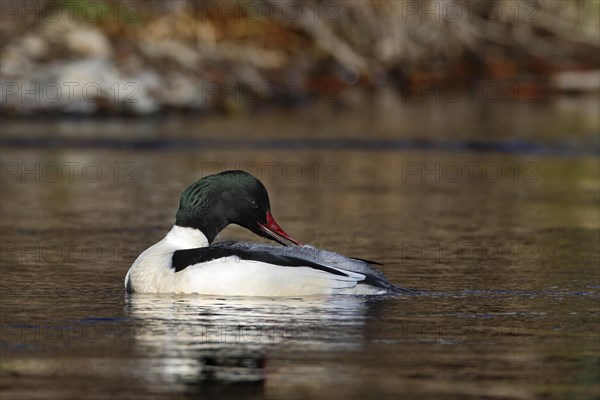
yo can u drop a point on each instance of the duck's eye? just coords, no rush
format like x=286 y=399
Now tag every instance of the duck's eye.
x=253 y=204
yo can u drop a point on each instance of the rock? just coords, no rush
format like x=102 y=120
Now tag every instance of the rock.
x=577 y=81
x=143 y=102
x=182 y=91
x=88 y=42
x=34 y=46
x=92 y=83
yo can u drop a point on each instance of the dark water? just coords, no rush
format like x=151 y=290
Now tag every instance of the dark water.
x=502 y=242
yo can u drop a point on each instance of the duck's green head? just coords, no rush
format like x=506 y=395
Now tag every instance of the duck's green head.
x=231 y=197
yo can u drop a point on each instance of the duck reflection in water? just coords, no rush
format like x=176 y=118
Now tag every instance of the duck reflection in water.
x=199 y=340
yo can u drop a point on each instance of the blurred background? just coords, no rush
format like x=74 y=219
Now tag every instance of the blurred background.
x=148 y=57
x=456 y=142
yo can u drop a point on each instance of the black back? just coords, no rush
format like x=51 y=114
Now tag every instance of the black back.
x=184 y=258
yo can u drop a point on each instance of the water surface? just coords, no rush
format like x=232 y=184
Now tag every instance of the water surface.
x=506 y=265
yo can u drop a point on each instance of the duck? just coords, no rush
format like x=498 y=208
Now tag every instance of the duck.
x=187 y=260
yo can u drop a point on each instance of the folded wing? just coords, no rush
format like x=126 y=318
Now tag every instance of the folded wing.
x=257 y=266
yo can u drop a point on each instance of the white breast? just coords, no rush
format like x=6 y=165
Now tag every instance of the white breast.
x=151 y=272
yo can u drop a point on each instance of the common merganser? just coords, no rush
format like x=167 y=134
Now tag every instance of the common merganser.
x=187 y=260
